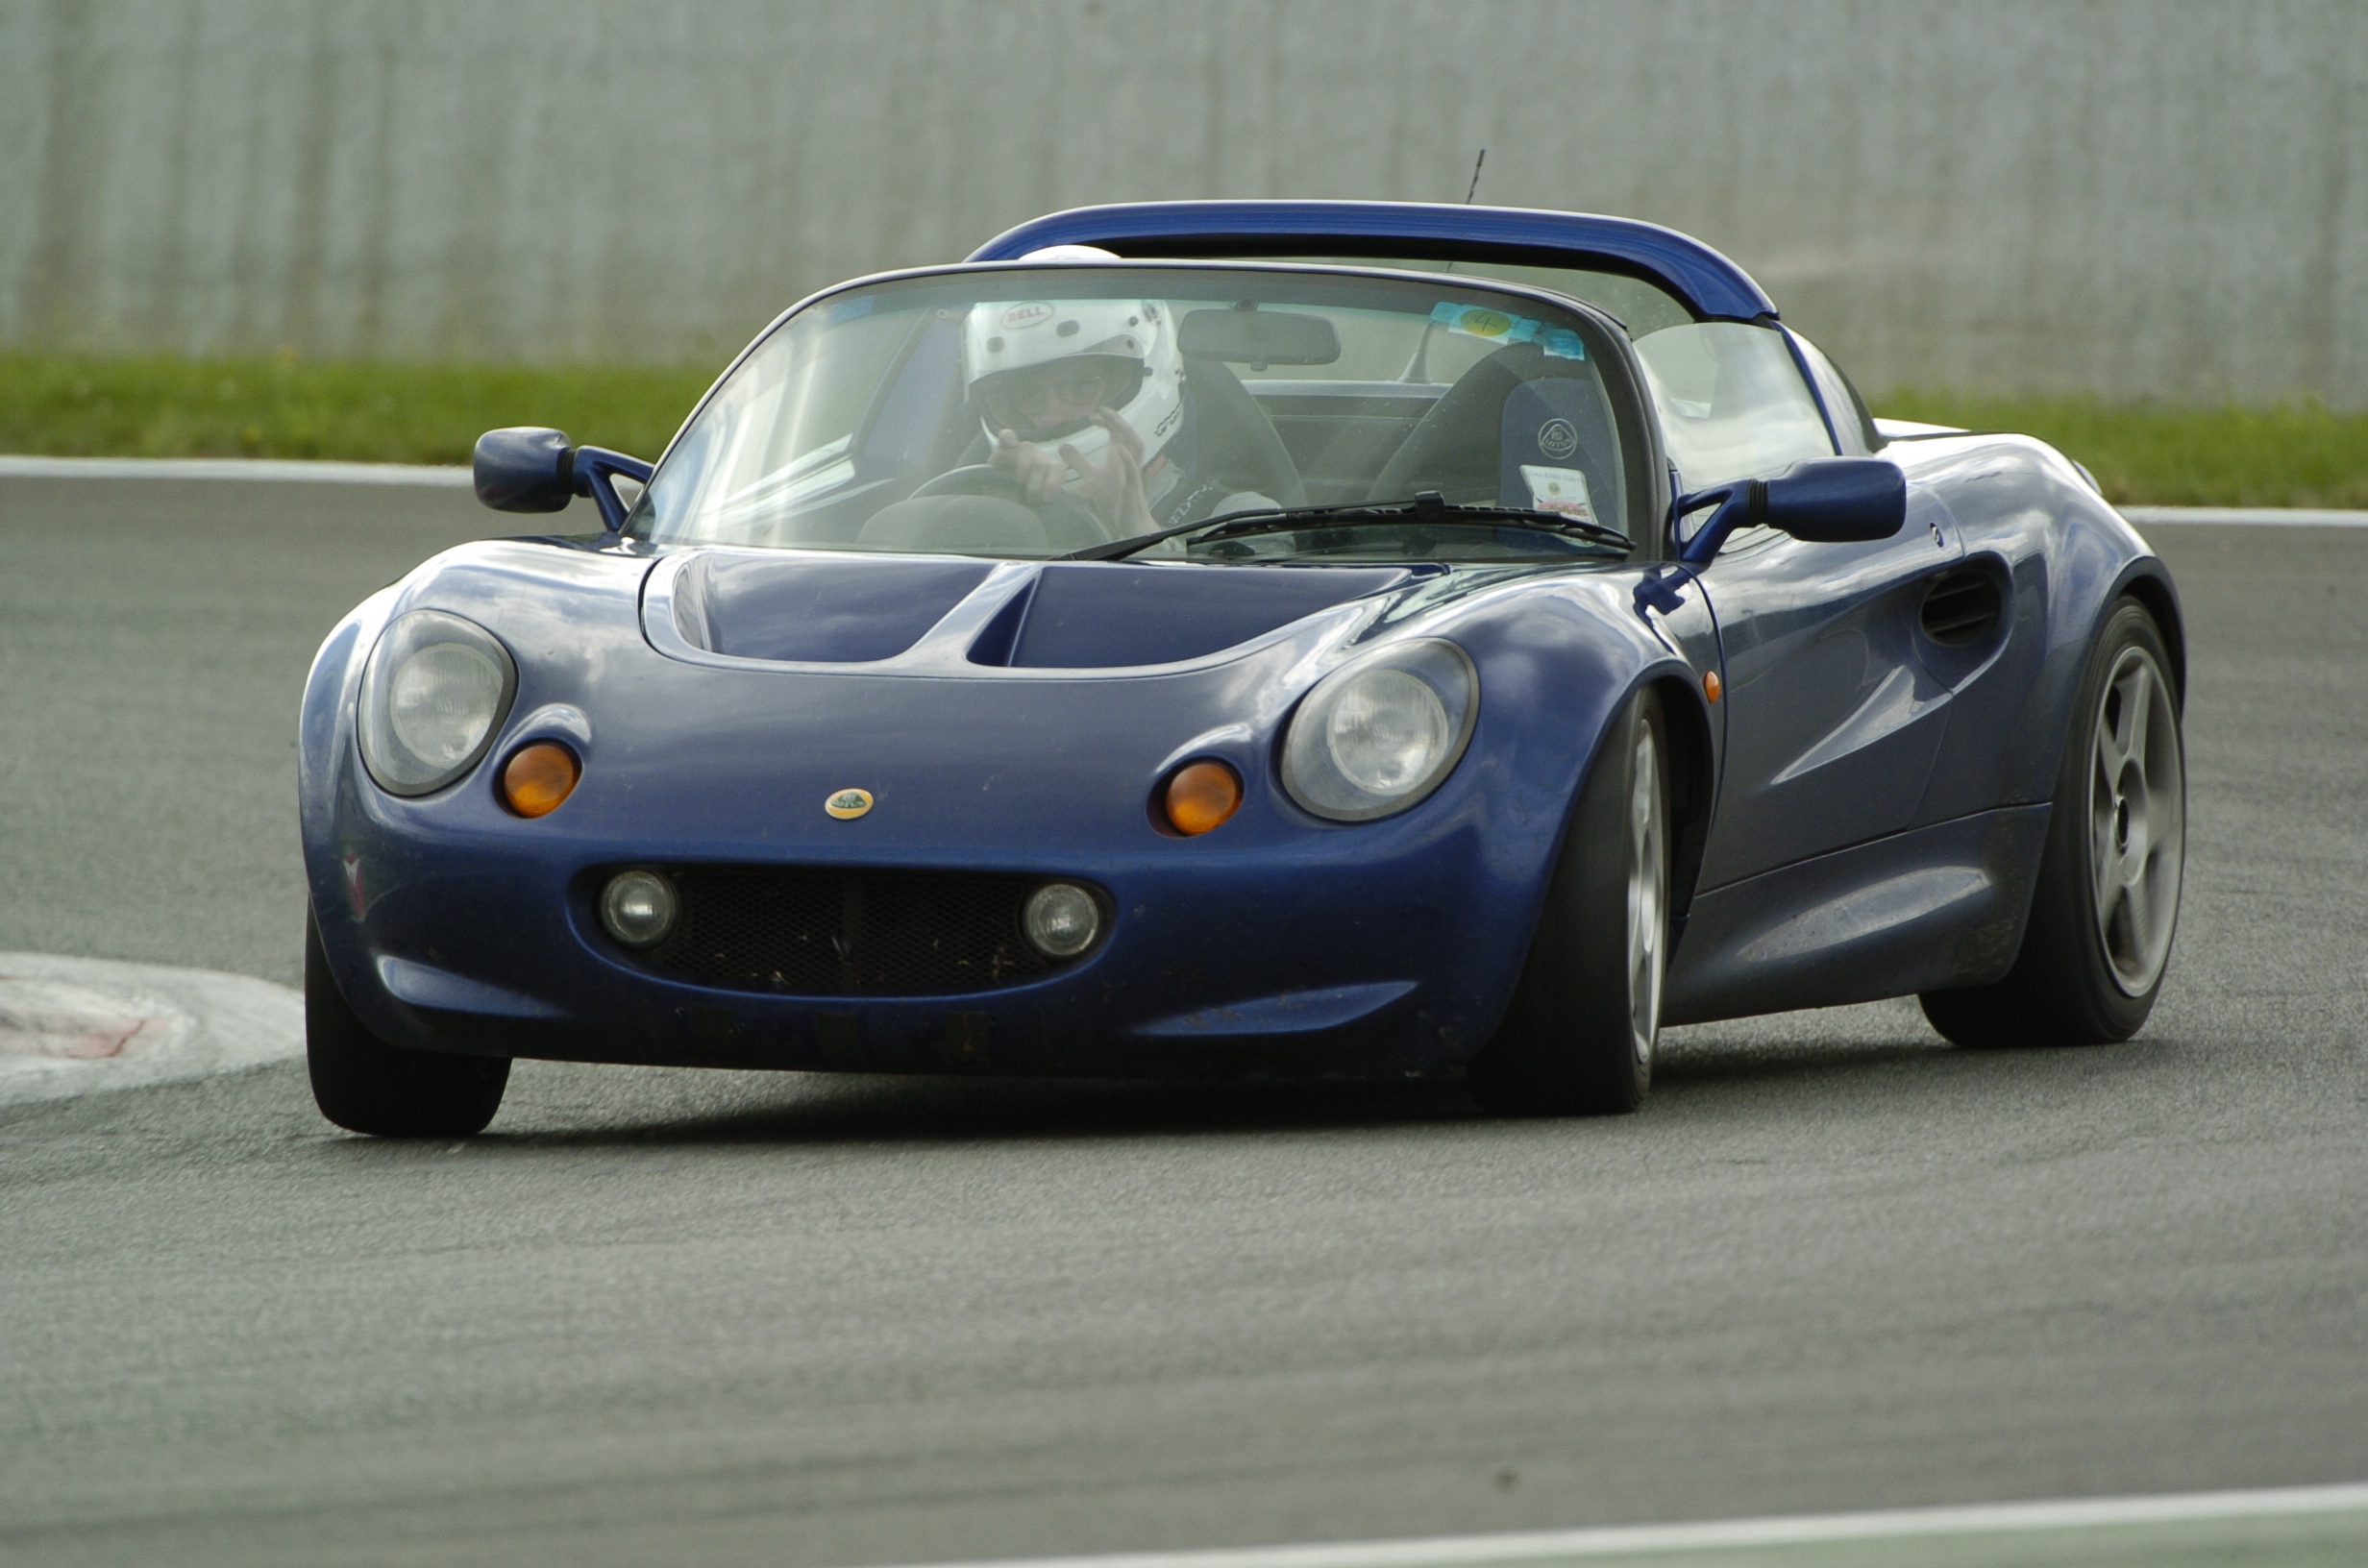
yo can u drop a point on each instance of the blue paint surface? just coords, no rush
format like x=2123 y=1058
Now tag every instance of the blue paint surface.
x=1711 y=286
x=1861 y=810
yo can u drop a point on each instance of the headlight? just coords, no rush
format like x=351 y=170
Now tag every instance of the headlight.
x=1381 y=734
x=434 y=689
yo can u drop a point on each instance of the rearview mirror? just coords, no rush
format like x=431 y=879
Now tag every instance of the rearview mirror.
x=1818 y=500
x=529 y=468
x=1258 y=338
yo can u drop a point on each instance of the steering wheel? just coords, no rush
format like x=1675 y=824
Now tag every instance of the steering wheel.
x=1070 y=524
x=972 y=479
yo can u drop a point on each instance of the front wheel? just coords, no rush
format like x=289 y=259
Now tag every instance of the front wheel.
x=2106 y=902
x=366 y=1086
x=1579 y=1035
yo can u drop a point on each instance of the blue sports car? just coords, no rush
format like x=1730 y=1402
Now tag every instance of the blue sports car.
x=1276 y=639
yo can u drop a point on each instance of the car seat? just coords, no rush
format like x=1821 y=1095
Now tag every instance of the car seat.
x=1517 y=407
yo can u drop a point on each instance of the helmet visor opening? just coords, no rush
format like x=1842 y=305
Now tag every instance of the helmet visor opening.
x=1051 y=402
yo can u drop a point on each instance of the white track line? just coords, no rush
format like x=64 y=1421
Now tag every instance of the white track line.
x=77 y=1025
x=1805 y=1530
x=250 y=469
x=2264 y=517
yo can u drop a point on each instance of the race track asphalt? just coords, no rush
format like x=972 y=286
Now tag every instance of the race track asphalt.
x=699 y=1318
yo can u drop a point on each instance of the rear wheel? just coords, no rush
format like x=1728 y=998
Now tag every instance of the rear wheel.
x=1579 y=1036
x=2106 y=902
x=366 y=1086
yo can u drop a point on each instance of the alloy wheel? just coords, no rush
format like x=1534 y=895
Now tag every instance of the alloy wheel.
x=2137 y=810
x=1647 y=896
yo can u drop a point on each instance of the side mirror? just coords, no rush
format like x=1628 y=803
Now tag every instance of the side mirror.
x=524 y=469
x=529 y=467
x=1820 y=499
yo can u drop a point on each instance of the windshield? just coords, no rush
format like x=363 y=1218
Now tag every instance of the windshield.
x=1043 y=411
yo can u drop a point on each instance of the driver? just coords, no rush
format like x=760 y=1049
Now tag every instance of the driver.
x=1086 y=398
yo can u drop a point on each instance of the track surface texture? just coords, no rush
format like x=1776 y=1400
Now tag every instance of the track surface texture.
x=683 y=1316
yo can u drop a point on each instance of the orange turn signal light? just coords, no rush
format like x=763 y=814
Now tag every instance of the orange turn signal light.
x=1712 y=685
x=1200 y=795
x=537 y=777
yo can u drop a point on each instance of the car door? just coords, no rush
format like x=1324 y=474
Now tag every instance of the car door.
x=1832 y=725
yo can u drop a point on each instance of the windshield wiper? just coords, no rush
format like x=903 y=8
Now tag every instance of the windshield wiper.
x=1427 y=508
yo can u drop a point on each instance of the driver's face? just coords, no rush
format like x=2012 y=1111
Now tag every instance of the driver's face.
x=1048 y=397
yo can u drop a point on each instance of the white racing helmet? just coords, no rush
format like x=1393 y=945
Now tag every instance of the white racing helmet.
x=1013 y=349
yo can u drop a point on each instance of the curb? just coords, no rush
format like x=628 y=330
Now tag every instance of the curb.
x=72 y=1026
x=2273 y=517
x=267 y=470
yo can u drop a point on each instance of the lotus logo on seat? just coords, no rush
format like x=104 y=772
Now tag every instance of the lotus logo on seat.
x=848 y=804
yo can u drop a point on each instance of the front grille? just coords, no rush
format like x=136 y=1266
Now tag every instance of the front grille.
x=819 y=932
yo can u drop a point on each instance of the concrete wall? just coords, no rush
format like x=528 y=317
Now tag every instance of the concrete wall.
x=2159 y=198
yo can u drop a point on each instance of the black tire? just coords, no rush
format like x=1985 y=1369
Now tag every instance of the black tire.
x=366 y=1086
x=1578 y=1036
x=2079 y=979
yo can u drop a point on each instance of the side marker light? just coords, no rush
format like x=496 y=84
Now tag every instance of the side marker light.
x=1200 y=795
x=538 y=777
x=1712 y=685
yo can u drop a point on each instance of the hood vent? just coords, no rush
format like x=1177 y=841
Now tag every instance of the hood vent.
x=1091 y=615
x=806 y=610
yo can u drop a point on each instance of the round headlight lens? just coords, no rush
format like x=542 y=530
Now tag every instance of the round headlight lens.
x=1386 y=731
x=1381 y=734
x=432 y=693
x=1061 y=919
x=441 y=703
x=637 y=907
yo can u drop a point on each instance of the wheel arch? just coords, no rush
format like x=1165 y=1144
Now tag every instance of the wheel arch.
x=2148 y=582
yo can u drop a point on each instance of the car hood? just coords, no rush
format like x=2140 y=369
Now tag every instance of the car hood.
x=980 y=747
x=832 y=610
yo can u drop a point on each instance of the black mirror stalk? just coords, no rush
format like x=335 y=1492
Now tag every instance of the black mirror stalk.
x=1820 y=499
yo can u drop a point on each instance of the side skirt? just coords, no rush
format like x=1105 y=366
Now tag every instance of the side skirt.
x=1924 y=910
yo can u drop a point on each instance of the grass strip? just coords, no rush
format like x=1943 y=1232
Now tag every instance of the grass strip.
x=394 y=411
x=2155 y=454
x=375 y=412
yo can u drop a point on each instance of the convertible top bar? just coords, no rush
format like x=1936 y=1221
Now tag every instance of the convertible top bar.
x=1709 y=285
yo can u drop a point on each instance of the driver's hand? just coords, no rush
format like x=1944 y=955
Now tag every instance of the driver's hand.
x=1114 y=489
x=1040 y=474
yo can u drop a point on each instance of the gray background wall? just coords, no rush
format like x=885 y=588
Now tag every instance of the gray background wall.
x=2139 y=197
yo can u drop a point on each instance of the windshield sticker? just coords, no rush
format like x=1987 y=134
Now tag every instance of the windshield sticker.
x=1562 y=491
x=1495 y=326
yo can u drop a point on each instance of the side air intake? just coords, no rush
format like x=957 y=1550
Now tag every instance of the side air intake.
x=1961 y=609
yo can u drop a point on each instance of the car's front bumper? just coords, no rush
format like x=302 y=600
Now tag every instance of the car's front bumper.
x=1385 y=961
x=1278 y=943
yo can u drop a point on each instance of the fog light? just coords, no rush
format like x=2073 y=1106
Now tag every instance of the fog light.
x=638 y=908
x=1200 y=795
x=538 y=777
x=1061 y=919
